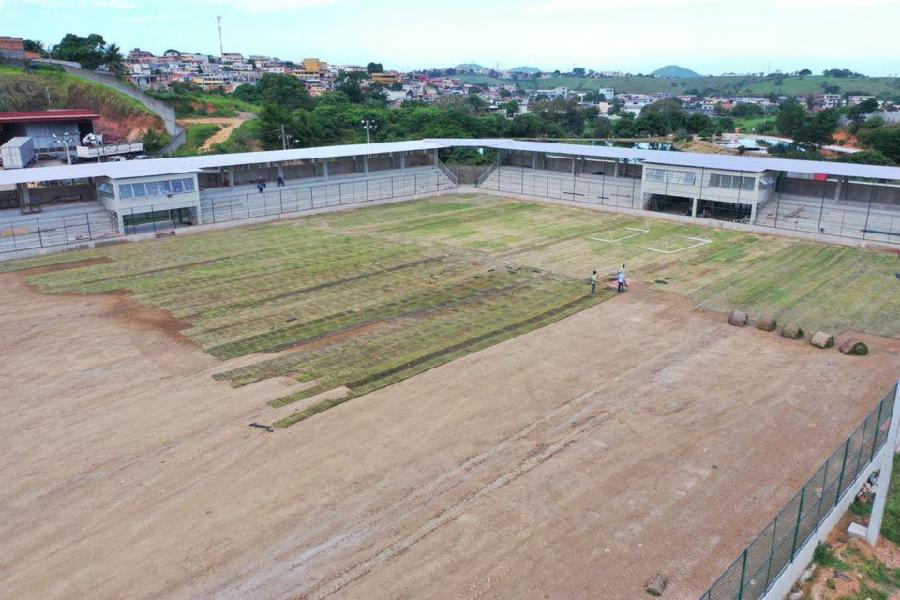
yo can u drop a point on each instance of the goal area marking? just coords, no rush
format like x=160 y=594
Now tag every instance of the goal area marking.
x=624 y=237
x=700 y=242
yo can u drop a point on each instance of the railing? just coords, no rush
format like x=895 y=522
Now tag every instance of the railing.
x=484 y=176
x=48 y=232
x=763 y=561
x=323 y=195
x=450 y=174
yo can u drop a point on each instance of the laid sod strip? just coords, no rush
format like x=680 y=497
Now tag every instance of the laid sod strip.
x=434 y=359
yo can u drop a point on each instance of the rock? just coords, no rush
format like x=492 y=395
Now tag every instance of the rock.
x=854 y=347
x=822 y=340
x=791 y=331
x=657 y=585
x=766 y=324
x=856 y=530
x=807 y=574
x=738 y=317
x=796 y=596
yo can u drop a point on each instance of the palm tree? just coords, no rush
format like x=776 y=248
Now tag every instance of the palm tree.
x=113 y=59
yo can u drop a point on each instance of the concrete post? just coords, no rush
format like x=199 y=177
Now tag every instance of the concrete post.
x=436 y=159
x=694 y=208
x=325 y=169
x=884 y=477
x=120 y=222
x=616 y=171
x=753 y=213
x=838 y=188
x=231 y=178
x=25 y=196
x=402 y=160
x=280 y=171
x=366 y=165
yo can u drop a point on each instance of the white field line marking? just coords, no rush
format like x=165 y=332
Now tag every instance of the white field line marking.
x=701 y=242
x=624 y=237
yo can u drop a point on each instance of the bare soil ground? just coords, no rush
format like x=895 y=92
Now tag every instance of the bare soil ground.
x=638 y=436
x=229 y=124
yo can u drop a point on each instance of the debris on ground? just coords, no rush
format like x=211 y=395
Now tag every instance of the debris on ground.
x=738 y=318
x=767 y=324
x=261 y=426
x=657 y=585
x=822 y=340
x=856 y=530
x=662 y=281
x=854 y=348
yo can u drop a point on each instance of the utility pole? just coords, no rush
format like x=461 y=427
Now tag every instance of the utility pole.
x=368 y=125
x=219 y=21
x=284 y=139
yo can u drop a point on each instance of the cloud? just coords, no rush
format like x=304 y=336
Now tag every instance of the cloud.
x=268 y=6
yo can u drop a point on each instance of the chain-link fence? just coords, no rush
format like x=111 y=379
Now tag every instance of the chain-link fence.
x=35 y=233
x=760 y=564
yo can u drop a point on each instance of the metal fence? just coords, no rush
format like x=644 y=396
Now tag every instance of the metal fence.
x=624 y=192
x=299 y=199
x=760 y=564
x=51 y=231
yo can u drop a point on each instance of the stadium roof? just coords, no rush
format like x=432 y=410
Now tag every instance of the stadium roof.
x=162 y=166
x=48 y=116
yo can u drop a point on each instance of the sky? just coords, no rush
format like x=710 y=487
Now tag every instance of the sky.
x=638 y=36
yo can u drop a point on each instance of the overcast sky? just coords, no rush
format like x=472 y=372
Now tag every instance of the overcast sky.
x=709 y=36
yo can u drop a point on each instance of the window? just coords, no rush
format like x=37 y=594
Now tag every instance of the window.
x=139 y=190
x=655 y=175
x=125 y=192
x=734 y=182
x=682 y=178
x=177 y=186
x=156 y=188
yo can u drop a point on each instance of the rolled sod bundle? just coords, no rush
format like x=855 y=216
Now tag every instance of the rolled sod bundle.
x=854 y=348
x=766 y=324
x=822 y=340
x=738 y=317
x=793 y=332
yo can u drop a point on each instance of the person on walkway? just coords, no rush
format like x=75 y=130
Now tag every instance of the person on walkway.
x=621 y=279
x=280 y=181
x=594 y=283
x=260 y=185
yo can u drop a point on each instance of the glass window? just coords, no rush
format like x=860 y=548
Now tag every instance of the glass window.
x=152 y=188
x=139 y=190
x=655 y=175
x=749 y=183
x=177 y=186
x=125 y=192
x=681 y=178
x=167 y=186
x=188 y=185
x=715 y=180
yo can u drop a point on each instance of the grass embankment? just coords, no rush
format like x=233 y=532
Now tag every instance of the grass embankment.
x=198 y=104
x=196 y=136
x=365 y=298
x=22 y=90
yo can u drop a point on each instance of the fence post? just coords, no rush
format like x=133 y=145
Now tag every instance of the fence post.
x=40 y=238
x=837 y=497
x=797 y=525
x=771 y=552
x=822 y=494
x=65 y=231
x=877 y=424
x=13 y=231
x=743 y=573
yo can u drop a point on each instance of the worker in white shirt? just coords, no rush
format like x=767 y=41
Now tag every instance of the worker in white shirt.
x=621 y=279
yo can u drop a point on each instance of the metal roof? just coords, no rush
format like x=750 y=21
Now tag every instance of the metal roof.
x=162 y=166
x=48 y=116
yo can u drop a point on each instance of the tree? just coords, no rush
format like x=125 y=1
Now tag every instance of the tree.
x=88 y=51
x=350 y=84
x=868 y=157
x=511 y=108
x=283 y=90
x=113 y=59
x=804 y=72
x=662 y=117
x=154 y=140
x=884 y=139
x=247 y=92
x=791 y=118
x=374 y=68
x=35 y=46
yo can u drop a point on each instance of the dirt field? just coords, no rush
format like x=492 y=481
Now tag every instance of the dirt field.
x=575 y=461
x=228 y=124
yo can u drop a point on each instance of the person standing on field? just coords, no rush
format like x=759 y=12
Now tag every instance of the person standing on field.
x=621 y=279
x=594 y=283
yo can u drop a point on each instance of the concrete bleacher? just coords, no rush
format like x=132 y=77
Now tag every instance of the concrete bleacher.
x=54 y=226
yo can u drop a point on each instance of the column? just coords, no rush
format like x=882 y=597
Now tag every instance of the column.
x=884 y=477
x=616 y=171
x=325 y=169
x=402 y=160
x=231 y=178
x=366 y=165
x=694 y=208
x=838 y=189
x=753 y=213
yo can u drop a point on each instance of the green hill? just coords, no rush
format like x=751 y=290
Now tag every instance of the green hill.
x=675 y=72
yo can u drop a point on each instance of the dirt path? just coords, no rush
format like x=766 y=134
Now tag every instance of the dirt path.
x=228 y=124
x=639 y=436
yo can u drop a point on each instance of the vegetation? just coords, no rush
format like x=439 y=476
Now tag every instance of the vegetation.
x=196 y=135
x=191 y=101
x=365 y=298
x=91 y=52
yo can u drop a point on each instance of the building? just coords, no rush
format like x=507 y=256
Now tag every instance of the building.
x=55 y=133
x=12 y=48
x=387 y=78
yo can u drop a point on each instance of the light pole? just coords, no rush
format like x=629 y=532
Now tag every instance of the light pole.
x=368 y=125
x=65 y=142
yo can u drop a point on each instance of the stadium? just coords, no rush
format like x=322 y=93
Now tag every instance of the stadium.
x=345 y=372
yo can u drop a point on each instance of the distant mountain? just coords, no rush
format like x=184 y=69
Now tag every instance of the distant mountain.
x=468 y=67
x=525 y=70
x=675 y=72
